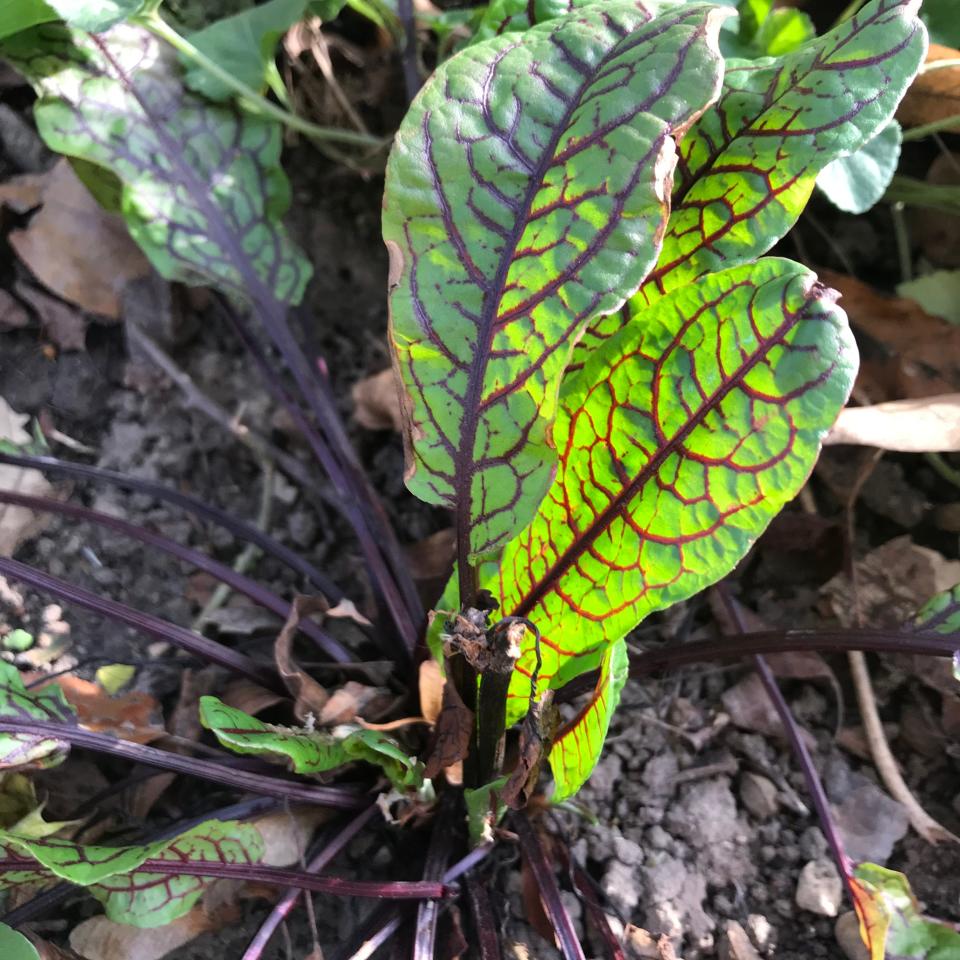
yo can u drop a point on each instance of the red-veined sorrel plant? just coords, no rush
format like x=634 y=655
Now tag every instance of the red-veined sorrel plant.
x=601 y=380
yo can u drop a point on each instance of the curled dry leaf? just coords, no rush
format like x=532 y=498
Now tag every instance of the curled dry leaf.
x=452 y=733
x=131 y=716
x=17 y=523
x=61 y=323
x=376 y=402
x=352 y=699
x=309 y=697
x=81 y=252
x=431 y=690
x=921 y=425
x=934 y=94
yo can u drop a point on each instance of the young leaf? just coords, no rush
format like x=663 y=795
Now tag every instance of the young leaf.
x=203 y=192
x=578 y=744
x=308 y=751
x=855 y=183
x=891 y=924
x=96 y=16
x=244 y=45
x=766 y=31
x=747 y=168
x=941 y=613
x=526 y=190
x=18 y=703
x=684 y=435
x=110 y=873
x=15 y=946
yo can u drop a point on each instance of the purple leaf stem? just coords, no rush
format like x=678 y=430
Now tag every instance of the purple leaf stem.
x=546 y=881
x=438 y=853
x=236 y=581
x=301 y=792
x=146 y=623
x=288 y=901
x=484 y=921
x=239 y=528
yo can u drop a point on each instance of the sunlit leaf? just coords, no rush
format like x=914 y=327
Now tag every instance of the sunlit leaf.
x=17 y=703
x=111 y=874
x=309 y=751
x=203 y=192
x=578 y=744
x=685 y=435
x=767 y=31
x=526 y=191
x=891 y=923
x=244 y=45
x=857 y=182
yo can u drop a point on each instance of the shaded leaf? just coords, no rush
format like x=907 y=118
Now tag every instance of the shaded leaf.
x=308 y=751
x=485 y=810
x=111 y=874
x=203 y=192
x=940 y=613
x=17 y=15
x=856 y=182
x=938 y=293
x=376 y=402
x=18 y=703
x=684 y=436
x=130 y=716
x=244 y=45
x=891 y=923
x=577 y=746
x=452 y=732
x=526 y=191
x=940 y=16
x=14 y=945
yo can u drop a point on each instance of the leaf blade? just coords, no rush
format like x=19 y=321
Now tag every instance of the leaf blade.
x=733 y=382
x=47 y=704
x=490 y=288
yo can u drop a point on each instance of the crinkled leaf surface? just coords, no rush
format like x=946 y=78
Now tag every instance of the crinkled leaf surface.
x=111 y=874
x=244 y=44
x=578 y=744
x=857 y=182
x=309 y=751
x=890 y=920
x=527 y=190
x=684 y=436
x=203 y=192
x=748 y=166
x=17 y=703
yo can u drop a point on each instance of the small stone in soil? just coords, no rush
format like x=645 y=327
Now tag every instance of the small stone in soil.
x=735 y=944
x=820 y=889
x=620 y=887
x=847 y=932
x=759 y=795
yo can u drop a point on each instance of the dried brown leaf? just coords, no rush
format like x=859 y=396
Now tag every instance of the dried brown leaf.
x=922 y=425
x=81 y=252
x=431 y=689
x=452 y=733
x=934 y=94
x=131 y=716
x=12 y=314
x=250 y=697
x=309 y=697
x=377 y=402
x=352 y=699
x=61 y=323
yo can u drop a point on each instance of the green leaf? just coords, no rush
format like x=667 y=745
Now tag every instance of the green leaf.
x=112 y=875
x=18 y=640
x=941 y=613
x=17 y=703
x=203 y=192
x=17 y=15
x=326 y=9
x=485 y=810
x=525 y=192
x=765 y=31
x=578 y=744
x=96 y=15
x=244 y=45
x=938 y=293
x=942 y=21
x=15 y=946
x=680 y=440
x=890 y=920
x=749 y=165
x=855 y=183
x=309 y=751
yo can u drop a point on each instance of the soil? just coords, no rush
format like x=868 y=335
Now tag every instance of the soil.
x=695 y=819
